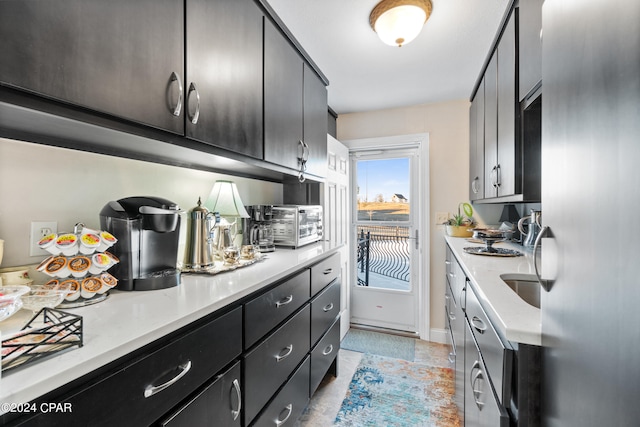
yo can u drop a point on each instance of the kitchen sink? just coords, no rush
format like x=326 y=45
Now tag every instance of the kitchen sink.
x=525 y=285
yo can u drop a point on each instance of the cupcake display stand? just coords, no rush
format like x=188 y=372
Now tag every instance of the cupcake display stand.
x=78 y=263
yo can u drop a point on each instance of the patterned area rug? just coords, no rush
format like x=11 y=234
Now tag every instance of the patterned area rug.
x=380 y=344
x=393 y=392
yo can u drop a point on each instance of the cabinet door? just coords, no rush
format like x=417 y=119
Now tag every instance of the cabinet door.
x=224 y=74
x=530 y=45
x=283 y=96
x=121 y=57
x=218 y=404
x=491 y=127
x=315 y=122
x=476 y=145
x=507 y=136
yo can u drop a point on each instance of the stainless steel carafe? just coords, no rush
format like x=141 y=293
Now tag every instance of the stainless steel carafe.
x=200 y=251
x=532 y=228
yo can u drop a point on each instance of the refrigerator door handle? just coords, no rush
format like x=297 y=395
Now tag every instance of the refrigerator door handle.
x=545 y=283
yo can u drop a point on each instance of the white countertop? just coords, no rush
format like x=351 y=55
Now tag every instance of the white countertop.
x=127 y=321
x=515 y=320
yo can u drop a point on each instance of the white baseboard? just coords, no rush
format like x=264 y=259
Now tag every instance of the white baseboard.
x=438 y=335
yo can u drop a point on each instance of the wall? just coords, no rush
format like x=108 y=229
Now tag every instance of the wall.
x=42 y=183
x=447 y=124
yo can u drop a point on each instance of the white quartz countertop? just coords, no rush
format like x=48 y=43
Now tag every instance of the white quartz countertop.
x=516 y=320
x=126 y=321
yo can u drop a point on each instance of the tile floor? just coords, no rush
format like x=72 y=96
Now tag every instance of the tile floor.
x=327 y=400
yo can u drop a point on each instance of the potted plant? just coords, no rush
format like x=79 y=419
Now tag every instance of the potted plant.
x=460 y=225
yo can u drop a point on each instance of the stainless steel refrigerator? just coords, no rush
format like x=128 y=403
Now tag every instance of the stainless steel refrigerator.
x=591 y=204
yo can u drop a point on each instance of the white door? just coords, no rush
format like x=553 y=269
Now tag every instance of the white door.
x=385 y=285
x=337 y=217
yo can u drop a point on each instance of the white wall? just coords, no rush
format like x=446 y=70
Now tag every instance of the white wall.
x=42 y=183
x=447 y=124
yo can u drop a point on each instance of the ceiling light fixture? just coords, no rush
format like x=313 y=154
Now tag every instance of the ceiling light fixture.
x=398 y=22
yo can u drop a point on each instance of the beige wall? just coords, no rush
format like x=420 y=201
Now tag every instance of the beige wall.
x=42 y=183
x=447 y=124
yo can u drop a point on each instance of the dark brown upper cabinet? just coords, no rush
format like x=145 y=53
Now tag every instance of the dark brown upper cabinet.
x=530 y=45
x=124 y=58
x=283 y=97
x=224 y=74
x=476 y=145
x=315 y=126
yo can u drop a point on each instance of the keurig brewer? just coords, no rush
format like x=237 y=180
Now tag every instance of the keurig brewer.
x=147 y=229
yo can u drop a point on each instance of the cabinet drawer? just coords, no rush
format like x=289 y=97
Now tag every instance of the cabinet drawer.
x=324 y=309
x=324 y=273
x=289 y=403
x=219 y=403
x=497 y=357
x=269 y=309
x=323 y=355
x=267 y=366
x=189 y=361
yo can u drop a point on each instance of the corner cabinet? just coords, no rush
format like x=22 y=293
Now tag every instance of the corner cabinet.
x=223 y=85
x=295 y=107
x=123 y=58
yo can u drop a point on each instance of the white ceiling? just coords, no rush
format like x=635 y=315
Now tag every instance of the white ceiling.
x=364 y=74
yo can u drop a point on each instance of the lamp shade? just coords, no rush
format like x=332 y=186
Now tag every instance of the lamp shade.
x=226 y=200
x=397 y=22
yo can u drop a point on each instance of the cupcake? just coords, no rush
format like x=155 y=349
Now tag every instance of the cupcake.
x=48 y=243
x=90 y=286
x=106 y=241
x=79 y=266
x=57 y=267
x=67 y=244
x=73 y=286
x=100 y=262
x=89 y=242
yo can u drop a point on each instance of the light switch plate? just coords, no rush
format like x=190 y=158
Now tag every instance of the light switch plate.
x=441 y=217
x=39 y=229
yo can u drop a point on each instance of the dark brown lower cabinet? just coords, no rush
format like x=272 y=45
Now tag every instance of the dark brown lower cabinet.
x=219 y=404
x=289 y=402
x=324 y=355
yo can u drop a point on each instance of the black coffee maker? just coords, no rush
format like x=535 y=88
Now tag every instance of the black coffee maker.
x=147 y=229
x=258 y=228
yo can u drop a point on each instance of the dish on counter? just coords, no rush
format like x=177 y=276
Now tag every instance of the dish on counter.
x=477 y=250
x=11 y=300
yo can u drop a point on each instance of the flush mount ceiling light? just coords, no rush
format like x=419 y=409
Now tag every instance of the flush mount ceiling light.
x=398 y=22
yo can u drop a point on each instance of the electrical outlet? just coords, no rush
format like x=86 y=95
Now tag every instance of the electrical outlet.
x=441 y=217
x=39 y=229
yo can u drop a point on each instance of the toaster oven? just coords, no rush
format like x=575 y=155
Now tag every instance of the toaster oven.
x=296 y=225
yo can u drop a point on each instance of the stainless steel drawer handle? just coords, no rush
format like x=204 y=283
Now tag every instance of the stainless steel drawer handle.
x=327 y=351
x=452 y=357
x=150 y=390
x=327 y=307
x=284 y=353
x=328 y=271
x=236 y=388
x=175 y=78
x=289 y=409
x=477 y=394
x=285 y=301
x=478 y=324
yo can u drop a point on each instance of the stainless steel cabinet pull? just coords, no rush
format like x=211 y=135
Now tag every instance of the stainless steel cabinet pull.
x=494 y=176
x=328 y=271
x=452 y=358
x=236 y=388
x=289 y=409
x=287 y=352
x=498 y=176
x=328 y=307
x=546 y=284
x=284 y=301
x=193 y=118
x=477 y=394
x=175 y=78
x=474 y=185
x=150 y=390
x=478 y=324
x=327 y=351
